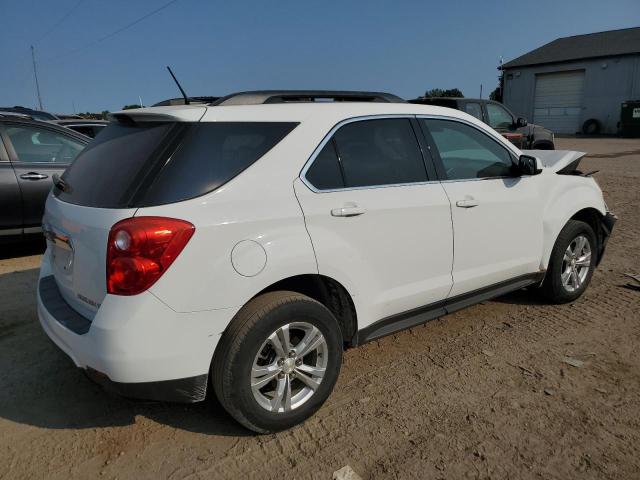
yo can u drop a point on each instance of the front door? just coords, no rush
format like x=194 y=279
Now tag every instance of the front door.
x=378 y=223
x=497 y=219
x=10 y=200
x=37 y=153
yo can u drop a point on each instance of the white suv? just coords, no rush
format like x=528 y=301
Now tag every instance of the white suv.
x=242 y=245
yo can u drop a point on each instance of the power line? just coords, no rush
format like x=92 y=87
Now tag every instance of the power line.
x=115 y=32
x=35 y=74
x=62 y=19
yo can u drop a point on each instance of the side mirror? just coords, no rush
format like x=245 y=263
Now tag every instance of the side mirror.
x=528 y=165
x=521 y=122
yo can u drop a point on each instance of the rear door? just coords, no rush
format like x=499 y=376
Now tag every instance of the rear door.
x=378 y=221
x=497 y=217
x=10 y=200
x=37 y=153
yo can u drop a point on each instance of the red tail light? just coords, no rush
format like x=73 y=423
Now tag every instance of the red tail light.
x=140 y=250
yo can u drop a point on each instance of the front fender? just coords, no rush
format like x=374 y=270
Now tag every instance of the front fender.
x=571 y=195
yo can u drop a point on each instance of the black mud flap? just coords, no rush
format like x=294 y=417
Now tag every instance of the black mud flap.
x=180 y=390
x=606 y=225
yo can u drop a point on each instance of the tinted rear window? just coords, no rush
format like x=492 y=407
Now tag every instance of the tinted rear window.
x=144 y=164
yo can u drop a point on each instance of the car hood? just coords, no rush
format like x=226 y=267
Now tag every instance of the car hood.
x=556 y=160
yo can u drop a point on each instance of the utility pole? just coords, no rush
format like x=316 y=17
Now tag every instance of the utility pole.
x=480 y=90
x=35 y=74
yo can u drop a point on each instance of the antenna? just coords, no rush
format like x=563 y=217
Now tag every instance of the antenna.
x=184 y=95
x=35 y=74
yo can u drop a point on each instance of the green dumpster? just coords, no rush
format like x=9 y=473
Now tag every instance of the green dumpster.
x=630 y=119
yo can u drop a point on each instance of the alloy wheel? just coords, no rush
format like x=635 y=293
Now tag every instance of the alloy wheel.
x=289 y=367
x=576 y=263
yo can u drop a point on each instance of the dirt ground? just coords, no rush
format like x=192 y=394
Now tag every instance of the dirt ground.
x=483 y=393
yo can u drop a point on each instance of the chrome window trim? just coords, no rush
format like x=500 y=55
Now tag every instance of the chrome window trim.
x=327 y=138
x=499 y=140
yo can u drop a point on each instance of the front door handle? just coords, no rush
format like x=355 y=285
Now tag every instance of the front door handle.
x=349 y=211
x=467 y=203
x=33 y=176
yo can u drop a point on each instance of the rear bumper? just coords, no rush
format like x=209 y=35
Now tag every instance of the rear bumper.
x=136 y=346
x=606 y=227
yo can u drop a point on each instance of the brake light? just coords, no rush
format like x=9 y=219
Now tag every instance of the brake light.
x=141 y=249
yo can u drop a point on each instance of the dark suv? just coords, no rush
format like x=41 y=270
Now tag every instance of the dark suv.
x=524 y=135
x=31 y=152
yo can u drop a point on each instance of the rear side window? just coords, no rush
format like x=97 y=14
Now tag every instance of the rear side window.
x=152 y=163
x=474 y=109
x=212 y=154
x=379 y=152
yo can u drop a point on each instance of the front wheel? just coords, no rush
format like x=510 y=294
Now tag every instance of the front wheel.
x=572 y=263
x=278 y=361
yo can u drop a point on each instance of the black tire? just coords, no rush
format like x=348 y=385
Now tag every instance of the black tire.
x=543 y=146
x=591 y=127
x=553 y=288
x=235 y=355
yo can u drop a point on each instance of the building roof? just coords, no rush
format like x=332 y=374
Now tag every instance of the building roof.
x=591 y=45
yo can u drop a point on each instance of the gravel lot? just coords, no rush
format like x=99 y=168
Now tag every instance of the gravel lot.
x=483 y=393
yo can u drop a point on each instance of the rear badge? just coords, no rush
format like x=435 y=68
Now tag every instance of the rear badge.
x=88 y=300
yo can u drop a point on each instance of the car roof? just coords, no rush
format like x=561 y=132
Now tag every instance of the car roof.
x=79 y=121
x=456 y=99
x=13 y=119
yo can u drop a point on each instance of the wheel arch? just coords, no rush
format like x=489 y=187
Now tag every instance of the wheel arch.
x=589 y=214
x=329 y=292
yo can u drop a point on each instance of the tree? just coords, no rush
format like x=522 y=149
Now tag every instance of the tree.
x=131 y=107
x=438 y=92
x=496 y=94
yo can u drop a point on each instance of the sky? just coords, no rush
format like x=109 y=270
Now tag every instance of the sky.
x=88 y=59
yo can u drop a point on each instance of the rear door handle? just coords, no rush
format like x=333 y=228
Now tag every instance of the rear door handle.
x=467 y=203
x=33 y=176
x=351 y=211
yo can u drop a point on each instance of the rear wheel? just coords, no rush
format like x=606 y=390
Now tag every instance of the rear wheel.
x=571 y=264
x=278 y=361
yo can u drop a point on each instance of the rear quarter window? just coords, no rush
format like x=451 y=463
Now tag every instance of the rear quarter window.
x=212 y=154
x=145 y=164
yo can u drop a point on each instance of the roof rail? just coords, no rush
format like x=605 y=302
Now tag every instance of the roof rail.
x=15 y=114
x=180 y=101
x=292 y=96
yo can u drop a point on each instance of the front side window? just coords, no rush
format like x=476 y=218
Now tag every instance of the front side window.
x=466 y=152
x=379 y=152
x=41 y=145
x=498 y=116
x=474 y=109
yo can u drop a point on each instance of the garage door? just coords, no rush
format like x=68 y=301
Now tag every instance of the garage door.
x=558 y=101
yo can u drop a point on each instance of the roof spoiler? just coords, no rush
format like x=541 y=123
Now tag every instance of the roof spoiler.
x=185 y=113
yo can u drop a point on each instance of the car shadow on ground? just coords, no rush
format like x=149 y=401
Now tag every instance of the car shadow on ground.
x=40 y=385
x=35 y=245
x=527 y=296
